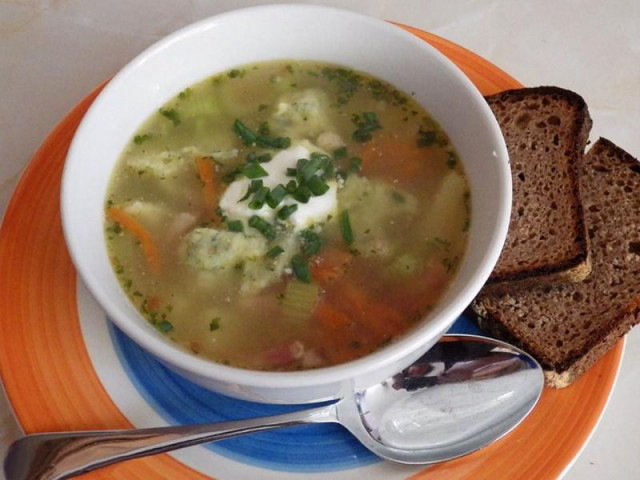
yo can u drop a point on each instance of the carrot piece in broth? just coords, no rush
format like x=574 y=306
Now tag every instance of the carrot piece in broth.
x=329 y=265
x=134 y=227
x=204 y=167
x=397 y=158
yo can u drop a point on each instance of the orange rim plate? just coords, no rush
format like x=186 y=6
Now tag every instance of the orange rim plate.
x=52 y=384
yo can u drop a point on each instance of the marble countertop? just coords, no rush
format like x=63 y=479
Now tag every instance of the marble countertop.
x=53 y=53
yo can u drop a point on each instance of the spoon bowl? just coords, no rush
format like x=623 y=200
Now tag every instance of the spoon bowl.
x=463 y=394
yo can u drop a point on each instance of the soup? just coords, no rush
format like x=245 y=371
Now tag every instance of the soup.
x=287 y=215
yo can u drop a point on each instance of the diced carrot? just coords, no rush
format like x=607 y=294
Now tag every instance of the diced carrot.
x=392 y=157
x=330 y=317
x=154 y=303
x=204 y=167
x=329 y=265
x=420 y=291
x=130 y=224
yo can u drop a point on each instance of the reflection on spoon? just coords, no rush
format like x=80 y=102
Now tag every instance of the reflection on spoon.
x=463 y=394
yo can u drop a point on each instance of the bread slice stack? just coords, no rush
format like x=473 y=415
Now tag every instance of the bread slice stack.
x=546 y=130
x=564 y=318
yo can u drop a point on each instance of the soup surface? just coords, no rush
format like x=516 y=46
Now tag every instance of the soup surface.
x=287 y=215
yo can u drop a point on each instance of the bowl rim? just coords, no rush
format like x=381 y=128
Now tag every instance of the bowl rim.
x=145 y=336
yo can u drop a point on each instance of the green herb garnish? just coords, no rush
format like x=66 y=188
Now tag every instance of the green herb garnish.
x=317 y=186
x=249 y=137
x=235 y=226
x=262 y=226
x=259 y=198
x=276 y=195
x=300 y=268
x=140 y=139
x=355 y=164
x=339 y=153
x=310 y=241
x=345 y=227
x=367 y=124
x=426 y=138
x=254 y=186
x=286 y=211
x=164 y=326
x=275 y=252
x=254 y=170
x=214 y=324
x=171 y=114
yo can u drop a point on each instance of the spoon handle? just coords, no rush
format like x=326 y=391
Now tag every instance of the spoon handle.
x=54 y=456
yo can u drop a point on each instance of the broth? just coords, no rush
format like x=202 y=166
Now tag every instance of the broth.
x=287 y=215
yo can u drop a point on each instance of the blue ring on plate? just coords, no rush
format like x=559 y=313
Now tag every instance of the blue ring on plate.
x=300 y=449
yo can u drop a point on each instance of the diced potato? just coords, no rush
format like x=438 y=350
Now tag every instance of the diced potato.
x=446 y=215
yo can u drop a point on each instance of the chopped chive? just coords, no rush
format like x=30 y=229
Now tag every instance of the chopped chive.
x=302 y=194
x=340 y=153
x=292 y=172
x=276 y=195
x=254 y=170
x=301 y=163
x=300 y=268
x=345 y=227
x=262 y=226
x=291 y=186
x=286 y=211
x=264 y=129
x=254 y=186
x=253 y=157
x=275 y=252
x=235 y=226
x=259 y=198
x=273 y=142
x=247 y=135
x=308 y=170
x=317 y=186
x=231 y=176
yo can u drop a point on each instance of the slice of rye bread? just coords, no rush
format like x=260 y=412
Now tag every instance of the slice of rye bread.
x=546 y=130
x=568 y=327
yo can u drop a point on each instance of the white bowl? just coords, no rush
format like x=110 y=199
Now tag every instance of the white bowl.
x=285 y=32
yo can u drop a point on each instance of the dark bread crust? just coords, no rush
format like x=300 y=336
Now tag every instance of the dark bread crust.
x=546 y=129
x=568 y=327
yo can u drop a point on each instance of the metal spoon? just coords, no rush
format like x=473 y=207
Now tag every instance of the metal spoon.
x=463 y=394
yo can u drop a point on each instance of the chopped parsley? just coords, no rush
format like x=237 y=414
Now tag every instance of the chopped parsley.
x=214 y=324
x=366 y=124
x=171 y=114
